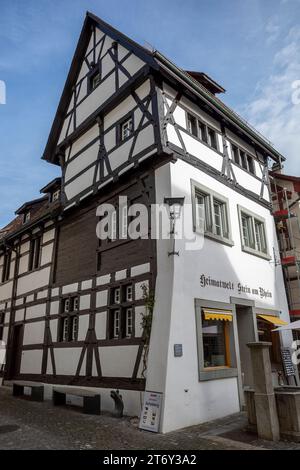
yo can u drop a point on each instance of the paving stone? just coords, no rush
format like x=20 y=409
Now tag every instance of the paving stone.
x=34 y=425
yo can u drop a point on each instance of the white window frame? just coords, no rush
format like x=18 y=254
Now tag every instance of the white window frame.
x=26 y=217
x=202 y=130
x=74 y=327
x=247 y=157
x=255 y=244
x=210 y=226
x=65 y=329
x=126 y=128
x=129 y=322
x=129 y=293
x=117 y=295
x=56 y=195
x=116 y=323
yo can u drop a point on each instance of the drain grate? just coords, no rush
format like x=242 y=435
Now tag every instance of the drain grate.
x=8 y=428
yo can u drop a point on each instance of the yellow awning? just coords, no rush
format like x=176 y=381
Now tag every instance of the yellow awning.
x=210 y=314
x=273 y=320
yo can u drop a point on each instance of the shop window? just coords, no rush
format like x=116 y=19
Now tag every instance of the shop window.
x=216 y=345
x=211 y=213
x=265 y=333
x=215 y=334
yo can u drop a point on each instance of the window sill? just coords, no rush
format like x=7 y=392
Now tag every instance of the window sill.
x=215 y=373
x=254 y=252
x=216 y=238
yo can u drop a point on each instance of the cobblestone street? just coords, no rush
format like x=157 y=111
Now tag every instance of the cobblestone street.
x=31 y=425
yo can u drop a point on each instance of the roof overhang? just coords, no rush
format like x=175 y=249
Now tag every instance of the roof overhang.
x=28 y=205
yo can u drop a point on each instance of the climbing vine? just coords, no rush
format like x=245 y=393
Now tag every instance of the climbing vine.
x=146 y=323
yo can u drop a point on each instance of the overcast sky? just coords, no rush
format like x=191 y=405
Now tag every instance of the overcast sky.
x=251 y=47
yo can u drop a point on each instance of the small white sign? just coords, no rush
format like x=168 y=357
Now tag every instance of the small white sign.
x=150 y=417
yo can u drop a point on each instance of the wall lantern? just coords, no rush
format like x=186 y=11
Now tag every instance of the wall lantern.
x=175 y=206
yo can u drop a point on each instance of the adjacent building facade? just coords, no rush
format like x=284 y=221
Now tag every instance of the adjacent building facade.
x=74 y=308
x=286 y=201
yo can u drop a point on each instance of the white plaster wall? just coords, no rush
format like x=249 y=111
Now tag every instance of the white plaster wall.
x=31 y=362
x=118 y=361
x=33 y=280
x=46 y=254
x=49 y=235
x=34 y=333
x=100 y=325
x=118 y=156
x=83 y=327
x=66 y=360
x=6 y=290
x=36 y=311
x=53 y=328
x=189 y=401
x=202 y=151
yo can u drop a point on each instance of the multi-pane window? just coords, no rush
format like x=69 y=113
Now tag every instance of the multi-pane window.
x=260 y=236
x=212 y=138
x=126 y=128
x=26 y=217
x=6 y=266
x=121 y=312
x=94 y=79
x=56 y=195
x=2 y=318
x=116 y=323
x=34 y=254
x=192 y=125
x=117 y=295
x=220 y=218
x=247 y=231
x=69 y=319
x=129 y=293
x=129 y=322
x=243 y=159
x=235 y=154
x=203 y=209
x=211 y=214
x=253 y=233
x=202 y=131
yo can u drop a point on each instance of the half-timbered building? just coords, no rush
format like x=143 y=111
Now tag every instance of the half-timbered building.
x=73 y=307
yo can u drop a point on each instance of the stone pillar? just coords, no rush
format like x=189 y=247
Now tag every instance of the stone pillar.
x=264 y=396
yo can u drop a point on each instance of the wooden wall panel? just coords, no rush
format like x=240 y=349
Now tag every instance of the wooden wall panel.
x=76 y=251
